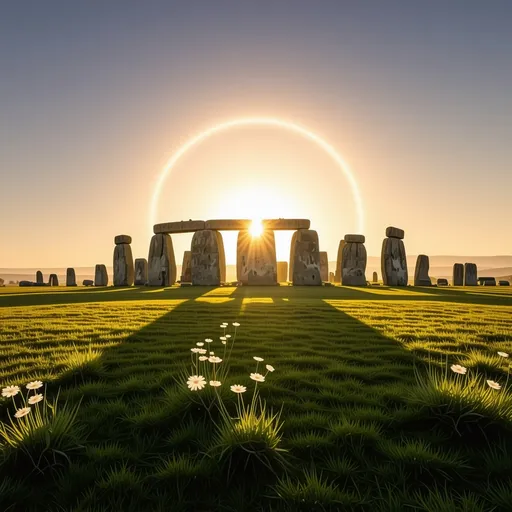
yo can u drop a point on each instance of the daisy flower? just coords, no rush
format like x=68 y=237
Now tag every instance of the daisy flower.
x=215 y=359
x=22 y=412
x=457 y=368
x=503 y=354
x=35 y=384
x=493 y=385
x=257 y=377
x=237 y=388
x=35 y=399
x=196 y=382
x=10 y=391
x=215 y=383
x=259 y=359
x=270 y=368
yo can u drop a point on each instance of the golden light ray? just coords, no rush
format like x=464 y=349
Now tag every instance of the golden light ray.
x=259 y=121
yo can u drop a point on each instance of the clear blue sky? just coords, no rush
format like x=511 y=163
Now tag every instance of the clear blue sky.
x=94 y=97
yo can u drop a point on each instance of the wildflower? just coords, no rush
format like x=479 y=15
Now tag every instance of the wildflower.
x=215 y=359
x=259 y=359
x=223 y=326
x=236 y=324
x=227 y=336
x=10 y=391
x=270 y=368
x=201 y=351
x=457 y=368
x=223 y=342
x=223 y=338
x=237 y=388
x=196 y=382
x=195 y=350
x=35 y=399
x=503 y=354
x=257 y=377
x=203 y=358
x=215 y=383
x=199 y=343
x=212 y=353
x=208 y=340
x=22 y=412
x=35 y=385
x=493 y=385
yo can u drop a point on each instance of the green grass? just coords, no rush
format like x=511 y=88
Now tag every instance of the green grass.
x=371 y=419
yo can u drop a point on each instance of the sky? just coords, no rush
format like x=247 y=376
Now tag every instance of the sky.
x=95 y=97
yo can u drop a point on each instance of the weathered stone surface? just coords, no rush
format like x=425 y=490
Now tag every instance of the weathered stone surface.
x=504 y=283
x=39 y=277
x=122 y=239
x=256 y=258
x=458 y=274
x=70 y=277
x=353 y=272
x=100 y=275
x=421 y=277
x=324 y=266
x=206 y=258
x=339 y=262
x=286 y=224
x=331 y=277
x=184 y=226
x=123 y=265
x=282 y=271
x=186 y=268
x=305 y=258
x=88 y=282
x=53 y=280
x=358 y=239
x=1 y=282
x=375 y=277
x=161 y=262
x=470 y=274
x=442 y=282
x=222 y=256
x=394 y=262
x=487 y=281
x=392 y=232
x=141 y=271
x=26 y=283
x=228 y=224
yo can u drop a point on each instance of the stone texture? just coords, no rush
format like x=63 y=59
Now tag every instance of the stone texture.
x=39 y=278
x=470 y=274
x=25 y=283
x=458 y=274
x=122 y=239
x=339 y=262
x=123 y=265
x=353 y=271
x=184 y=226
x=286 y=224
x=282 y=271
x=442 y=282
x=305 y=258
x=186 y=267
x=100 y=275
x=228 y=224
x=222 y=256
x=392 y=232
x=53 y=280
x=421 y=277
x=88 y=282
x=70 y=277
x=324 y=266
x=487 y=281
x=205 y=254
x=358 y=239
x=141 y=272
x=331 y=277
x=375 y=277
x=256 y=258
x=394 y=262
x=504 y=283
x=161 y=262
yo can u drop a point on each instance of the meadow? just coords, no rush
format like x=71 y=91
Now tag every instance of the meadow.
x=372 y=416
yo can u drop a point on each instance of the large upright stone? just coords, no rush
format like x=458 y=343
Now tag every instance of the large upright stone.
x=39 y=278
x=100 y=275
x=282 y=271
x=421 y=277
x=141 y=271
x=339 y=262
x=324 y=266
x=206 y=258
x=470 y=274
x=256 y=258
x=161 y=262
x=305 y=258
x=186 y=267
x=394 y=259
x=54 y=280
x=353 y=261
x=375 y=277
x=123 y=261
x=458 y=274
x=222 y=256
x=70 y=277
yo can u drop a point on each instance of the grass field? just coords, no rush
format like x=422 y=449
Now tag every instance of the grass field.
x=373 y=418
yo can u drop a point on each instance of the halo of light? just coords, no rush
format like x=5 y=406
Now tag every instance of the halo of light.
x=256 y=228
x=259 y=121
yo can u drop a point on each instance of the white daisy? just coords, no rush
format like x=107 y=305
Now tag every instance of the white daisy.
x=237 y=388
x=35 y=384
x=259 y=359
x=215 y=359
x=215 y=383
x=493 y=385
x=257 y=377
x=22 y=412
x=196 y=382
x=10 y=391
x=203 y=358
x=35 y=399
x=270 y=368
x=503 y=354
x=457 y=368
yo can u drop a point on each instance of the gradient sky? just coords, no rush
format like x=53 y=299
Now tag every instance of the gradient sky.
x=95 y=96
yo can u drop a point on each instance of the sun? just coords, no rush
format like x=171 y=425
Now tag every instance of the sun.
x=256 y=228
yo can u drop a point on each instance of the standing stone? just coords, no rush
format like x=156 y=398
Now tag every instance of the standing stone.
x=186 y=267
x=282 y=271
x=39 y=278
x=123 y=261
x=339 y=262
x=375 y=277
x=88 y=282
x=222 y=256
x=100 y=275
x=442 y=282
x=305 y=258
x=354 y=258
x=470 y=274
x=324 y=266
x=331 y=277
x=206 y=258
x=70 y=277
x=421 y=277
x=54 y=280
x=256 y=258
x=161 y=262
x=458 y=274
x=141 y=271
x=394 y=259
x=1 y=282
